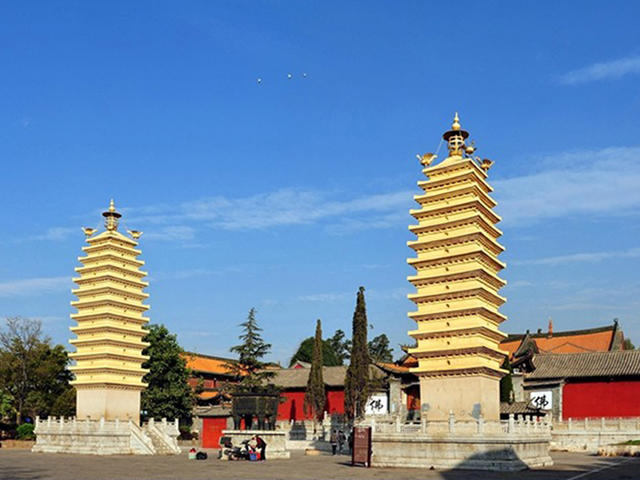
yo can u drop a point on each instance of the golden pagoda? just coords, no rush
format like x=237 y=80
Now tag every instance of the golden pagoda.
x=109 y=346
x=457 y=336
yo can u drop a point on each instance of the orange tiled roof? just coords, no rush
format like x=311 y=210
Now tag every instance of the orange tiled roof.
x=392 y=367
x=208 y=364
x=208 y=395
x=577 y=341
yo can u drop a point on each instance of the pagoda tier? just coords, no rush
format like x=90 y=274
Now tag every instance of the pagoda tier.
x=457 y=302
x=108 y=370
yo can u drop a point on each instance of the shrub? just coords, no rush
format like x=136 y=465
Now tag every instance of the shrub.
x=186 y=433
x=25 y=432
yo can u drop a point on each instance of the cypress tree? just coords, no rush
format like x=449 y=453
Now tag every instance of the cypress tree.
x=357 y=382
x=314 y=398
x=506 y=383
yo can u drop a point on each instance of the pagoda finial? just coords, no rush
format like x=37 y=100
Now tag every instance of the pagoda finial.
x=455 y=138
x=456 y=123
x=111 y=217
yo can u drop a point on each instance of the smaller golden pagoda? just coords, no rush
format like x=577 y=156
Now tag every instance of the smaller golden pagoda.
x=110 y=317
x=457 y=301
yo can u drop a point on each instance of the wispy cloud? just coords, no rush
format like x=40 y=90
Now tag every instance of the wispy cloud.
x=58 y=233
x=580 y=258
x=34 y=286
x=603 y=71
x=172 y=233
x=194 y=272
x=372 y=294
x=284 y=207
x=589 y=182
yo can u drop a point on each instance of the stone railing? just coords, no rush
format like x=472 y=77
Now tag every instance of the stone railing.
x=590 y=434
x=602 y=424
x=516 y=425
x=105 y=437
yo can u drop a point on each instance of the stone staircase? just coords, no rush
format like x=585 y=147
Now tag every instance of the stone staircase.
x=163 y=436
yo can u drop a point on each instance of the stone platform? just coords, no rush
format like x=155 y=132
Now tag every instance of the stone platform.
x=276 y=441
x=106 y=437
x=501 y=446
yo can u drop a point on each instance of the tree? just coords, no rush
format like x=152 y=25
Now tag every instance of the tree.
x=314 y=397
x=628 y=344
x=340 y=346
x=33 y=373
x=357 y=381
x=305 y=353
x=379 y=349
x=251 y=351
x=506 y=382
x=168 y=394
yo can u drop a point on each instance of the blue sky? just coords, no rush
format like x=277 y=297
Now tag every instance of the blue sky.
x=288 y=194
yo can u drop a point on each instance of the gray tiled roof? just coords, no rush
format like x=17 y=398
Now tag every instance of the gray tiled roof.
x=597 y=364
x=297 y=377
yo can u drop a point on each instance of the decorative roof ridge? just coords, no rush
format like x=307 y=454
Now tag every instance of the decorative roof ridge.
x=211 y=357
x=519 y=336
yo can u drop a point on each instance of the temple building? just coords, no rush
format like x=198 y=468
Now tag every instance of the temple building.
x=457 y=283
x=110 y=317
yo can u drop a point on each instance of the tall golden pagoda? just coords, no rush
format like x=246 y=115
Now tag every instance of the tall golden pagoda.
x=457 y=336
x=109 y=346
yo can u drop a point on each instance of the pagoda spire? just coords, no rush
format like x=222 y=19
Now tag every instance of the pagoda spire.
x=110 y=323
x=457 y=301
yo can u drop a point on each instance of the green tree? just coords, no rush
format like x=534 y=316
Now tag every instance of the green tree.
x=251 y=352
x=340 y=345
x=33 y=373
x=314 y=397
x=168 y=394
x=305 y=353
x=358 y=381
x=506 y=382
x=379 y=350
x=628 y=344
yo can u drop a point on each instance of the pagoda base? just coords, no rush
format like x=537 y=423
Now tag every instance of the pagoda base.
x=499 y=453
x=108 y=403
x=105 y=437
x=464 y=396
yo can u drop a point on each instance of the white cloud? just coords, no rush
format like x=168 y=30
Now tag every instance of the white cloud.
x=580 y=258
x=59 y=233
x=284 y=207
x=603 y=71
x=592 y=182
x=35 y=286
x=172 y=233
x=597 y=182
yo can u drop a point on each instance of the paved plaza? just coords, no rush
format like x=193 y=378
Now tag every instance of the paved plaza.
x=22 y=464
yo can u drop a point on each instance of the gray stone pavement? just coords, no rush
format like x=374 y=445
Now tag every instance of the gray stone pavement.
x=22 y=464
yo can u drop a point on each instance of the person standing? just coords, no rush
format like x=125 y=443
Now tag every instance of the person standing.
x=262 y=446
x=341 y=439
x=333 y=439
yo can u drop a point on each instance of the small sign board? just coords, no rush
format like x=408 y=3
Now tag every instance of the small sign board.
x=377 y=404
x=541 y=399
x=361 y=452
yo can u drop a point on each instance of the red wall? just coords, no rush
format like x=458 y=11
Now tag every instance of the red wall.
x=212 y=428
x=292 y=408
x=601 y=399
